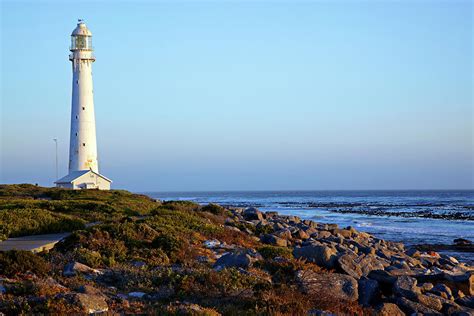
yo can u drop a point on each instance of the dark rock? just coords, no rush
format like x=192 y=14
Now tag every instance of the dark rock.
x=300 y=234
x=461 y=241
x=467 y=301
x=463 y=282
x=347 y=264
x=89 y=303
x=426 y=286
x=319 y=254
x=388 y=309
x=252 y=213
x=430 y=301
x=273 y=240
x=406 y=286
x=411 y=307
x=368 y=263
x=330 y=286
x=283 y=233
x=238 y=260
x=368 y=291
x=413 y=252
x=443 y=291
x=382 y=276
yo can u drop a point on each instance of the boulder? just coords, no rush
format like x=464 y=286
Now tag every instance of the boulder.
x=237 y=260
x=467 y=301
x=324 y=234
x=300 y=234
x=283 y=233
x=328 y=286
x=383 y=277
x=89 y=303
x=430 y=301
x=368 y=291
x=388 y=309
x=321 y=255
x=274 y=240
x=406 y=286
x=370 y=262
x=252 y=213
x=347 y=264
x=411 y=307
x=463 y=282
x=443 y=291
x=72 y=268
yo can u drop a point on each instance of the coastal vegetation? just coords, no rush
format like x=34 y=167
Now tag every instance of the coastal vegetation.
x=181 y=258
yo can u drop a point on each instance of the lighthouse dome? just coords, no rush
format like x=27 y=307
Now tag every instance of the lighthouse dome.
x=81 y=30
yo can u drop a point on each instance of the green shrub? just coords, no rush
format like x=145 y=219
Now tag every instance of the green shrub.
x=215 y=209
x=33 y=221
x=17 y=261
x=168 y=243
x=270 y=252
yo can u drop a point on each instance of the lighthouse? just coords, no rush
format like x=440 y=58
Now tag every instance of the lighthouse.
x=83 y=160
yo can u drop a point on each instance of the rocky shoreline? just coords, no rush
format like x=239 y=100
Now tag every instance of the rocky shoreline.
x=372 y=271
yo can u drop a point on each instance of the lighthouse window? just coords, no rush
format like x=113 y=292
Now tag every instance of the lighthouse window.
x=76 y=117
x=84 y=144
x=76 y=134
x=83 y=108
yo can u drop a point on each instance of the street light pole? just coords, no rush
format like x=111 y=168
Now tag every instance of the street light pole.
x=56 y=144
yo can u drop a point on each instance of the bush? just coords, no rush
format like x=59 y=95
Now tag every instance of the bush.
x=168 y=243
x=34 y=221
x=215 y=209
x=270 y=252
x=17 y=261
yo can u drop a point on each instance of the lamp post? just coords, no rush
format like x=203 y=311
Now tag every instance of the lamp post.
x=56 y=145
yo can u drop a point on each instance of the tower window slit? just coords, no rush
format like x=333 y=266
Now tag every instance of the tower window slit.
x=83 y=144
x=83 y=108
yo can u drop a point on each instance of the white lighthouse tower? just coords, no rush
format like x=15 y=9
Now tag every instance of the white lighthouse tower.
x=83 y=161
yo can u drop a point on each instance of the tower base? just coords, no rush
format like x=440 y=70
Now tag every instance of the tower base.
x=84 y=179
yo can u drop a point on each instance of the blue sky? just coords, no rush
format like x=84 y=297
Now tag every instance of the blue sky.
x=249 y=95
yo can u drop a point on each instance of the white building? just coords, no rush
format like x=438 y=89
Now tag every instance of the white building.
x=83 y=162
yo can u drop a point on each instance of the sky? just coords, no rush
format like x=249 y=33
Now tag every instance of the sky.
x=246 y=95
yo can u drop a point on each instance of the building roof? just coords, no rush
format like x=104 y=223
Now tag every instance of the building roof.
x=73 y=175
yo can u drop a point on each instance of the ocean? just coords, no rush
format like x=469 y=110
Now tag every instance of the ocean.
x=412 y=217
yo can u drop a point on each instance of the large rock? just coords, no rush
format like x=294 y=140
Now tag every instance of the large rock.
x=430 y=301
x=320 y=254
x=463 y=282
x=252 y=213
x=369 y=263
x=329 y=286
x=383 y=277
x=73 y=268
x=442 y=290
x=388 y=309
x=89 y=303
x=274 y=240
x=406 y=286
x=411 y=307
x=368 y=291
x=237 y=260
x=466 y=301
x=347 y=264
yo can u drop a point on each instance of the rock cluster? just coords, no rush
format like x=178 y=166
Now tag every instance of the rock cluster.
x=361 y=267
